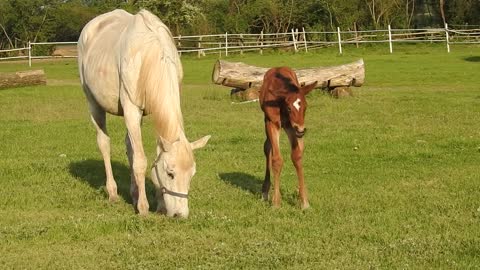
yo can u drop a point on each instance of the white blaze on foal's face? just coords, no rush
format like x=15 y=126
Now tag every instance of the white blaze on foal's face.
x=296 y=104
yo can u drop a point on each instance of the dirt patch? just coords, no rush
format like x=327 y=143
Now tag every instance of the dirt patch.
x=53 y=82
x=65 y=50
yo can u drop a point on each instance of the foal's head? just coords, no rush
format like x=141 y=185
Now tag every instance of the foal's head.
x=296 y=107
x=295 y=101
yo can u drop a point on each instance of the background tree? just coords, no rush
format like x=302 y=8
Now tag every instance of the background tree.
x=177 y=15
x=68 y=19
x=62 y=20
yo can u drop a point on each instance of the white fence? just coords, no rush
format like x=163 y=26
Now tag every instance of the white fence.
x=296 y=40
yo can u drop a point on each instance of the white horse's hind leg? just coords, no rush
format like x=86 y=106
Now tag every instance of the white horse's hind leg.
x=99 y=121
x=133 y=118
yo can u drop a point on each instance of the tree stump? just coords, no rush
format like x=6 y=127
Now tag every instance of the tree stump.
x=22 y=78
x=341 y=92
x=245 y=94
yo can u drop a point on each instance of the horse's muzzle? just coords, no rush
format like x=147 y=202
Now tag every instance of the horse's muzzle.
x=300 y=133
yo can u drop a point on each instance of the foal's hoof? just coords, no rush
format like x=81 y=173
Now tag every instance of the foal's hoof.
x=276 y=204
x=305 y=206
x=265 y=196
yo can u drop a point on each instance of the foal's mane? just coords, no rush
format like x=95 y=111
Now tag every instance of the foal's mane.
x=287 y=82
x=160 y=76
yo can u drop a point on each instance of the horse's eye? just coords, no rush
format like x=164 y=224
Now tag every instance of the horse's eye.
x=171 y=174
x=289 y=110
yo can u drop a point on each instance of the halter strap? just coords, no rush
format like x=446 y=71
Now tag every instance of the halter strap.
x=164 y=190
x=175 y=194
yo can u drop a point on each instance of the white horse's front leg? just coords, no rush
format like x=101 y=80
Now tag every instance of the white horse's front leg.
x=138 y=160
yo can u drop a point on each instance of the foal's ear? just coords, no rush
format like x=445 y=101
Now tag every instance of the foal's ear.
x=200 y=142
x=307 y=88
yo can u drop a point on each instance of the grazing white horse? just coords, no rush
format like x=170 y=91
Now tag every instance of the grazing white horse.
x=129 y=66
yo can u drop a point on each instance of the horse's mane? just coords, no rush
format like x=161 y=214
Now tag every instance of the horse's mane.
x=160 y=77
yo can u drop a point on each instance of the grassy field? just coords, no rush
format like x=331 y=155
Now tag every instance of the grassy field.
x=393 y=174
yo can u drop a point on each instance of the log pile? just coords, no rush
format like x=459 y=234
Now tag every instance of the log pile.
x=22 y=78
x=241 y=76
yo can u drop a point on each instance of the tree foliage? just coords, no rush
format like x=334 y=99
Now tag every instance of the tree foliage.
x=62 y=20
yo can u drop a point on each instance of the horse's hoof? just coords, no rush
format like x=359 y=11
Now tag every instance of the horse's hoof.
x=142 y=208
x=113 y=199
x=143 y=212
x=265 y=196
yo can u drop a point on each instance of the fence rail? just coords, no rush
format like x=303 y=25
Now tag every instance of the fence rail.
x=296 y=40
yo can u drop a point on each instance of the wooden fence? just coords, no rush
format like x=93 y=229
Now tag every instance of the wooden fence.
x=296 y=40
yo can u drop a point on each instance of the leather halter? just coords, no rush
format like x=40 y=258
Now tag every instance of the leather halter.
x=164 y=190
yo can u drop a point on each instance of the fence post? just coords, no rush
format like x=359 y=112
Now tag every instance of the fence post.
x=294 y=43
x=179 y=45
x=447 y=37
x=356 y=33
x=241 y=44
x=261 y=42
x=29 y=54
x=199 y=45
x=390 y=38
x=339 y=40
x=219 y=45
x=304 y=39
x=226 y=44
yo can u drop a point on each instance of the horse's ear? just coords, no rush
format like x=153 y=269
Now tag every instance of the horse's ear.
x=307 y=88
x=164 y=144
x=200 y=143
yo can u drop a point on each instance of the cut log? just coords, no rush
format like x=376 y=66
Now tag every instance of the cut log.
x=243 y=76
x=22 y=78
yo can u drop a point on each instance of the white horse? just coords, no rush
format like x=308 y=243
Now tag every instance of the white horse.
x=129 y=66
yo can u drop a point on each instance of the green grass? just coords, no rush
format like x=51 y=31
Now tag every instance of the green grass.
x=392 y=173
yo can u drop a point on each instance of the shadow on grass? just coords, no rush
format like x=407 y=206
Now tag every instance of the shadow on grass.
x=253 y=185
x=93 y=172
x=244 y=181
x=472 y=59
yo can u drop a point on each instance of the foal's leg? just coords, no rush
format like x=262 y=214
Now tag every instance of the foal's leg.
x=297 y=147
x=99 y=121
x=133 y=118
x=267 y=150
x=273 y=134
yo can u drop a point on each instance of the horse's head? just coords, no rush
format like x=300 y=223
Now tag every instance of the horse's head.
x=296 y=107
x=172 y=173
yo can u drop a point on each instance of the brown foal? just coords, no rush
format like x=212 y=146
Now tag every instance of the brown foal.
x=282 y=99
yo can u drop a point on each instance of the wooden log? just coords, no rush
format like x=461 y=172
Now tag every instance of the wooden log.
x=243 y=76
x=22 y=78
